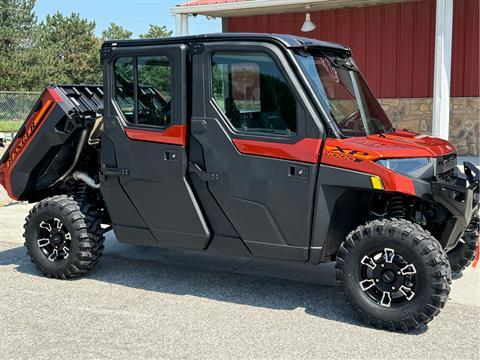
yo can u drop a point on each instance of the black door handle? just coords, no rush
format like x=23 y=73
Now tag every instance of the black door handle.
x=298 y=172
x=110 y=171
x=171 y=155
x=204 y=175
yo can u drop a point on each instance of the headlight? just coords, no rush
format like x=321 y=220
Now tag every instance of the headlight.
x=414 y=167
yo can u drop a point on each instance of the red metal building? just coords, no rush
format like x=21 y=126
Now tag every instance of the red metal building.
x=399 y=45
x=393 y=44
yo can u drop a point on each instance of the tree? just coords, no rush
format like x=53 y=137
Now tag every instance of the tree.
x=17 y=26
x=60 y=49
x=116 y=32
x=70 y=50
x=156 y=31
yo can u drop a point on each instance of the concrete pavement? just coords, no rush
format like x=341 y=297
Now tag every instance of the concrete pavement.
x=155 y=303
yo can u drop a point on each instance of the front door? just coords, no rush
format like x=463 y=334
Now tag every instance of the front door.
x=255 y=145
x=144 y=158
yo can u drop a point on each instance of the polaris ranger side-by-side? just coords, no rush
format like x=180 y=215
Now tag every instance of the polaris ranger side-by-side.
x=252 y=145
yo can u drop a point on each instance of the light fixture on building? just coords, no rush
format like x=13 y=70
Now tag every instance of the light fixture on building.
x=308 y=25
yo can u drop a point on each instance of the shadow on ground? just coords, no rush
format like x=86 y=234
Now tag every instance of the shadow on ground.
x=214 y=277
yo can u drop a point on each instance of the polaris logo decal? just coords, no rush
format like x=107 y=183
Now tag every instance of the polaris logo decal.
x=347 y=154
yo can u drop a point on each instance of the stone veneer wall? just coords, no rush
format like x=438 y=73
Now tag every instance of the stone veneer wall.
x=416 y=115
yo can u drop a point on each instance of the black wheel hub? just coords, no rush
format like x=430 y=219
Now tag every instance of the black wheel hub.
x=387 y=278
x=54 y=240
x=57 y=240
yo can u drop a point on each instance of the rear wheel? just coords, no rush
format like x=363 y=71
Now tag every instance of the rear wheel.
x=393 y=273
x=63 y=237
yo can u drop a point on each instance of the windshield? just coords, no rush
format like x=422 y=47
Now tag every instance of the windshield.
x=345 y=95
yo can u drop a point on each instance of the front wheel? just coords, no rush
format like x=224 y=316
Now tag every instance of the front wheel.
x=464 y=253
x=394 y=273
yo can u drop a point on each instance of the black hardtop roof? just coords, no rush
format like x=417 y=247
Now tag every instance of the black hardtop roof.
x=289 y=41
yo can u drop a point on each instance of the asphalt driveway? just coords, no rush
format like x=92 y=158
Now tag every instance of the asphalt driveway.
x=155 y=303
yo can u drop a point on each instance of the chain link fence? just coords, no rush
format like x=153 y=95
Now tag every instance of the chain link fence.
x=14 y=108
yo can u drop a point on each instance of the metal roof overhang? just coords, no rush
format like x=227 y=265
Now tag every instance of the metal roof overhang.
x=228 y=8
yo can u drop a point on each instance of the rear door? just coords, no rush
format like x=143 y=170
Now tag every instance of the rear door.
x=144 y=159
x=255 y=145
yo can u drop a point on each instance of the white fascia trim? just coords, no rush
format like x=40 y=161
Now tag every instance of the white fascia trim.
x=240 y=5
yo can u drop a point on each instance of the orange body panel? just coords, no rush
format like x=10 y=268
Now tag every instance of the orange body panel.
x=174 y=135
x=358 y=154
x=306 y=150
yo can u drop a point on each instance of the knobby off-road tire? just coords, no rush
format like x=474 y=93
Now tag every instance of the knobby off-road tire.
x=417 y=264
x=63 y=237
x=464 y=253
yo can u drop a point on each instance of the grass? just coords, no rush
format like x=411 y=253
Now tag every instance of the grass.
x=9 y=125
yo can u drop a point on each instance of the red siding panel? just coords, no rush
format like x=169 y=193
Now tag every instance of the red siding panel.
x=393 y=44
x=359 y=38
x=374 y=32
x=389 y=66
x=406 y=59
x=423 y=43
x=458 y=48
x=465 y=53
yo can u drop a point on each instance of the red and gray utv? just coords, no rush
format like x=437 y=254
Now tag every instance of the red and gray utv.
x=252 y=145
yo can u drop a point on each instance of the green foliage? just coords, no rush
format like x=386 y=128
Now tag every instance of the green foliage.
x=155 y=72
x=70 y=49
x=17 y=27
x=10 y=125
x=155 y=32
x=116 y=32
x=60 y=49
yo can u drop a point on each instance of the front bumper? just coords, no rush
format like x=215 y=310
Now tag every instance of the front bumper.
x=461 y=199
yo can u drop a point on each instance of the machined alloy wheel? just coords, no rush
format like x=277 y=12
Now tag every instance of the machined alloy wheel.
x=394 y=273
x=55 y=239
x=387 y=278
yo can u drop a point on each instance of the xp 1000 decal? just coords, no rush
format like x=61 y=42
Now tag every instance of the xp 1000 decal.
x=347 y=154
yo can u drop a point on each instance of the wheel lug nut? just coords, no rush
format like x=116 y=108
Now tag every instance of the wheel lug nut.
x=399 y=273
x=376 y=280
x=393 y=287
x=382 y=265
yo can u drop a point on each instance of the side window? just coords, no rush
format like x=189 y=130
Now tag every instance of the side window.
x=154 y=90
x=124 y=87
x=143 y=90
x=253 y=93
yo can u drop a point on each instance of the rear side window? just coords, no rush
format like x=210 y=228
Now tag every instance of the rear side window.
x=253 y=93
x=143 y=90
x=124 y=87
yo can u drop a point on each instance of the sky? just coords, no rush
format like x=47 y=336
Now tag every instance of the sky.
x=134 y=15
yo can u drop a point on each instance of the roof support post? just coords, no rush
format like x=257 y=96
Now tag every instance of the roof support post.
x=443 y=56
x=184 y=26
x=178 y=24
x=181 y=24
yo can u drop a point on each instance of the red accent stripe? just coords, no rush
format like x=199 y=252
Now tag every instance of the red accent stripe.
x=305 y=150
x=174 y=135
x=55 y=96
